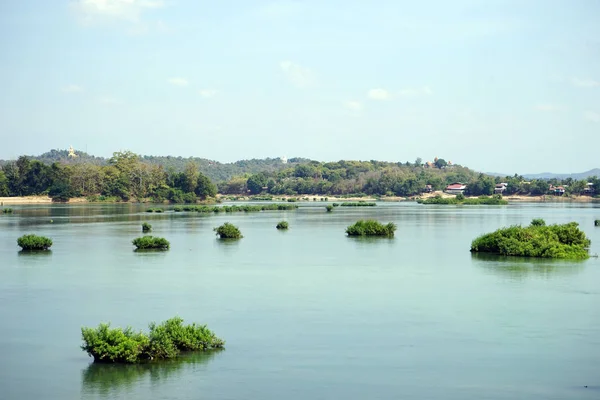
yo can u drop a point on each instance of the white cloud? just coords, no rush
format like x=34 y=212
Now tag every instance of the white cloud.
x=178 y=81
x=108 y=100
x=298 y=75
x=592 y=116
x=207 y=93
x=549 y=108
x=414 y=92
x=91 y=11
x=588 y=83
x=72 y=89
x=353 y=105
x=379 y=94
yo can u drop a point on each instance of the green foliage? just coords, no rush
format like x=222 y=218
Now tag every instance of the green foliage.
x=34 y=242
x=7 y=211
x=146 y=227
x=236 y=208
x=164 y=341
x=358 y=204
x=553 y=241
x=329 y=208
x=228 y=231
x=460 y=197
x=538 y=222
x=336 y=204
x=151 y=242
x=371 y=228
x=292 y=200
x=155 y=210
x=597 y=222
x=495 y=200
x=282 y=225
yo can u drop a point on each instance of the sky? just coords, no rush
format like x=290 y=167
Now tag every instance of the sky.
x=498 y=85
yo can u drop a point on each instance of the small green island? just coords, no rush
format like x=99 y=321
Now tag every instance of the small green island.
x=371 y=228
x=235 y=208
x=495 y=200
x=283 y=225
x=34 y=243
x=164 y=341
x=564 y=241
x=151 y=243
x=228 y=231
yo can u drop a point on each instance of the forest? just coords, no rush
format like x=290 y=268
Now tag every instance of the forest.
x=127 y=176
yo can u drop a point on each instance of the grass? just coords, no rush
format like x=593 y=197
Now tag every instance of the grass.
x=371 y=228
x=282 y=225
x=228 y=231
x=495 y=200
x=163 y=341
x=358 y=204
x=553 y=241
x=33 y=242
x=151 y=242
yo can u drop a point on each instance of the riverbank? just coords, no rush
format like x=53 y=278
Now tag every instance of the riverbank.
x=24 y=200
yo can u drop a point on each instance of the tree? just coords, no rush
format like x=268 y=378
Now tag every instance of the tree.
x=205 y=188
x=539 y=187
x=190 y=177
x=256 y=183
x=441 y=163
x=3 y=184
x=418 y=162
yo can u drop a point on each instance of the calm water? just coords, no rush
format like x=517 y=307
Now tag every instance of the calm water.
x=308 y=313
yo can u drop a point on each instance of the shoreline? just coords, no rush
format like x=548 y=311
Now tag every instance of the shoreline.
x=24 y=200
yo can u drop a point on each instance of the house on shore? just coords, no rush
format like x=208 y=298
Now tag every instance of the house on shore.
x=558 y=190
x=500 y=188
x=428 y=189
x=456 y=188
x=589 y=189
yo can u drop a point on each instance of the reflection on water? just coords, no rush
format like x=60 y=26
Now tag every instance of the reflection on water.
x=523 y=267
x=112 y=380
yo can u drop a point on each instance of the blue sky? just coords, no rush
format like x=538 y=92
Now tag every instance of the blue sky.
x=506 y=86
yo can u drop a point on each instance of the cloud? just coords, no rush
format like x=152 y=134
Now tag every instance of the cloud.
x=379 y=94
x=414 y=92
x=587 y=83
x=353 y=105
x=108 y=100
x=549 y=108
x=178 y=81
x=298 y=75
x=208 y=93
x=592 y=116
x=93 y=11
x=72 y=89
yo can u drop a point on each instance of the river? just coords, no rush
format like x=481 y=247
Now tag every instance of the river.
x=306 y=313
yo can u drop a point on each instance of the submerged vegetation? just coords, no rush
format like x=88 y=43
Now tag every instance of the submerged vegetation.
x=358 y=204
x=146 y=227
x=164 y=341
x=536 y=240
x=282 y=225
x=236 y=208
x=495 y=200
x=34 y=242
x=371 y=228
x=228 y=231
x=151 y=242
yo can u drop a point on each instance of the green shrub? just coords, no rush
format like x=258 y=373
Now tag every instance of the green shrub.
x=167 y=340
x=292 y=200
x=371 y=228
x=336 y=204
x=282 y=225
x=151 y=242
x=538 y=222
x=178 y=209
x=228 y=231
x=146 y=227
x=358 y=204
x=34 y=242
x=7 y=211
x=460 y=197
x=155 y=210
x=553 y=241
x=597 y=222
x=329 y=208
x=495 y=200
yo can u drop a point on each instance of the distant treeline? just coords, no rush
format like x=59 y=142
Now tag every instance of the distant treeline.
x=128 y=176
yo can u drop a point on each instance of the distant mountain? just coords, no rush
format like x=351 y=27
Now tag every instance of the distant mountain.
x=577 y=176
